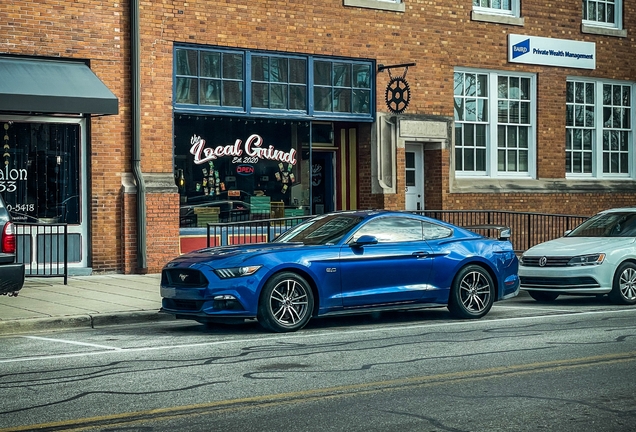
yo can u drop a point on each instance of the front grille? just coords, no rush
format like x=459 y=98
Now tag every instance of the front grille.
x=533 y=261
x=558 y=283
x=183 y=305
x=183 y=278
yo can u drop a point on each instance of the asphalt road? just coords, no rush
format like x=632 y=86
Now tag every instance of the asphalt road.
x=526 y=366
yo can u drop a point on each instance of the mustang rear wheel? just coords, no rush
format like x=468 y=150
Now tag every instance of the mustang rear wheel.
x=543 y=296
x=624 y=286
x=286 y=303
x=472 y=293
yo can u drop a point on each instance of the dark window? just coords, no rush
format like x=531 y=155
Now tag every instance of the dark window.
x=255 y=82
x=41 y=179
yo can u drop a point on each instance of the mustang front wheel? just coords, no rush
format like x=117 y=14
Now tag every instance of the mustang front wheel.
x=624 y=286
x=286 y=303
x=472 y=293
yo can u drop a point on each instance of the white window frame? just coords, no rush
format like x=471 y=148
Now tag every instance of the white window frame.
x=492 y=124
x=598 y=130
x=514 y=11
x=618 y=16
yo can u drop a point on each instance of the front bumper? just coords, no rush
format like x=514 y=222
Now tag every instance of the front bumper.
x=567 y=280
x=235 y=298
x=11 y=278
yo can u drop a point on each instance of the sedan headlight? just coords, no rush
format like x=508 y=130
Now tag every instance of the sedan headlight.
x=228 y=273
x=585 y=260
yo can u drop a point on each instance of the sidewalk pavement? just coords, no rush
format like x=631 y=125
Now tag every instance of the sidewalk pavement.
x=86 y=301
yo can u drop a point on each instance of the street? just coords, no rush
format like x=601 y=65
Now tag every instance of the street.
x=526 y=366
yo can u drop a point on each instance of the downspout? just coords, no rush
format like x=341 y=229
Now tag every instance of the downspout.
x=135 y=75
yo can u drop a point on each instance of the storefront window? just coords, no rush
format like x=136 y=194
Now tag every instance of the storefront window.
x=231 y=169
x=39 y=175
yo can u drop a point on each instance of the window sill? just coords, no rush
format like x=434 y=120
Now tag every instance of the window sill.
x=376 y=4
x=541 y=186
x=603 y=31
x=497 y=19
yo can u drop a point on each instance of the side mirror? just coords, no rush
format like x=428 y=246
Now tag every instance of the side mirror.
x=365 y=240
x=505 y=234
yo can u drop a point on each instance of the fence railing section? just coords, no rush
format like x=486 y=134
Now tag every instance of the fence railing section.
x=43 y=248
x=527 y=229
x=254 y=231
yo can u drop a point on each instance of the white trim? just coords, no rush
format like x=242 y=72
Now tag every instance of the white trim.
x=491 y=146
x=82 y=227
x=597 y=150
x=618 y=18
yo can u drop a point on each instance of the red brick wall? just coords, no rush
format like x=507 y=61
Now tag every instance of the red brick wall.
x=438 y=35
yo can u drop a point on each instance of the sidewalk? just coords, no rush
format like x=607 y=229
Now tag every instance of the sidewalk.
x=86 y=301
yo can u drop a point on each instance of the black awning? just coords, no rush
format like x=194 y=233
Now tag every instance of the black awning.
x=51 y=86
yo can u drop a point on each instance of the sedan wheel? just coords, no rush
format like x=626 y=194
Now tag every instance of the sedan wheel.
x=286 y=303
x=624 y=286
x=472 y=293
x=543 y=296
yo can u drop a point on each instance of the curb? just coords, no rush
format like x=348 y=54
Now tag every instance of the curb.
x=19 y=326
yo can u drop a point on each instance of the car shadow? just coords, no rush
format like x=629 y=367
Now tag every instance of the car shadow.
x=344 y=322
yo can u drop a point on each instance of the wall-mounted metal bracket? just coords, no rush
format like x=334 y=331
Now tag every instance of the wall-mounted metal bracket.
x=382 y=67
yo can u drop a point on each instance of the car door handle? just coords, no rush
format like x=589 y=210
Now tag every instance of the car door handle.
x=420 y=254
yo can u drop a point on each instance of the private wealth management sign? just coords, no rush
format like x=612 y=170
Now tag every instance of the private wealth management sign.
x=551 y=52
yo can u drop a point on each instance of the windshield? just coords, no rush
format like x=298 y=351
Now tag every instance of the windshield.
x=621 y=224
x=322 y=230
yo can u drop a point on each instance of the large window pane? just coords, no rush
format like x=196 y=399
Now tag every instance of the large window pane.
x=187 y=62
x=297 y=71
x=322 y=99
x=210 y=92
x=322 y=73
x=260 y=68
x=210 y=64
x=232 y=93
x=186 y=91
x=233 y=66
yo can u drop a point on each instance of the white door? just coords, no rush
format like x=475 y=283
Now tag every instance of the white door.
x=414 y=162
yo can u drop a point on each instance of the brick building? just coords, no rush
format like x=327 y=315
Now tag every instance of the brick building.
x=125 y=119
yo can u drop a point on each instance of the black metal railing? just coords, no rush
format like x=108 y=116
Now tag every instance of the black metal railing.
x=43 y=249
x=254 y=231
x=527 y=229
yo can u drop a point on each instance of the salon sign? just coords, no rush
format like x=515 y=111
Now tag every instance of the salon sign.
x=10 y=177
x=248 y=152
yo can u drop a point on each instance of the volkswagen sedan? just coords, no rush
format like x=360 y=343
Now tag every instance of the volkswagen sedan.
x=339 y=263
x=596 y=258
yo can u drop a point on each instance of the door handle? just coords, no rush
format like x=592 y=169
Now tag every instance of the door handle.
x=420 y=254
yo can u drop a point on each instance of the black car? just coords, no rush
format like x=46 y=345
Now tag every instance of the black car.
x=11 y=273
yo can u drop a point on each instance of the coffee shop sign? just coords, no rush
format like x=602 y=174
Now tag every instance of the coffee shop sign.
x=252 y=148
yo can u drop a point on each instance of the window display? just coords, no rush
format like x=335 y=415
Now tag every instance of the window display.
x=39 y=174
x=230 y=169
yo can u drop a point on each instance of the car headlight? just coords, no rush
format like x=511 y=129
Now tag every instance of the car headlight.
x=227 y=273
x=584 y=260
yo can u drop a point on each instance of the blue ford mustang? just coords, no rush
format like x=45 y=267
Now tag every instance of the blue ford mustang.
x=343 y=262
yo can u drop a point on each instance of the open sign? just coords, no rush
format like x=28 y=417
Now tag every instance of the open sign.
x=245 y=170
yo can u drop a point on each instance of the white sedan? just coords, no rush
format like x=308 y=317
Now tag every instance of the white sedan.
x=598 y=257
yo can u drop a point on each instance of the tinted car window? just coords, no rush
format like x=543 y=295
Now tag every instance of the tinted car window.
x=621 y=224
x=321 y=230
x=392 y=229
x=433 y=231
